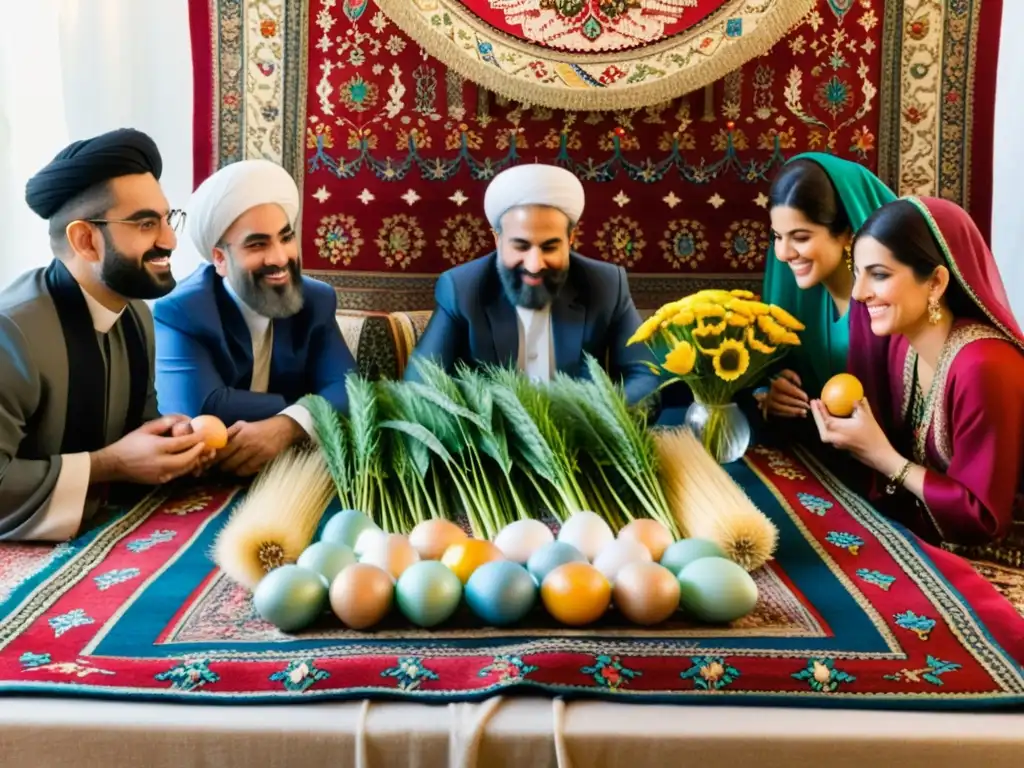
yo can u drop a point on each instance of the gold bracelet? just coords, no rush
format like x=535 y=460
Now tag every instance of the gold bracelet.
x=898 y=479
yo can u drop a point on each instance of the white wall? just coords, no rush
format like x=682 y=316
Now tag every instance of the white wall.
x=1007 y=199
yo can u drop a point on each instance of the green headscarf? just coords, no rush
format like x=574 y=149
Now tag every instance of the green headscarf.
x=825 y=342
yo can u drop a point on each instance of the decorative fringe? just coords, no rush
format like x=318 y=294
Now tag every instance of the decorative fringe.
x=708 y=504
x=278 y=517
x=412 y=17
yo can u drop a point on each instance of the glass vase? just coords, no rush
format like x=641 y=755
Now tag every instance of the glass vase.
x=723 y=429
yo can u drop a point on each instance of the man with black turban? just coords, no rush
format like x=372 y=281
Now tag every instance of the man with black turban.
x=82 y=321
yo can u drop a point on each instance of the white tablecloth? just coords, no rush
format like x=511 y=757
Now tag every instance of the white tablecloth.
x=46 y=733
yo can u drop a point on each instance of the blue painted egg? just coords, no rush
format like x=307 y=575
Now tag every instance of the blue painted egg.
x=345 y=527
x=327 y=558
x=716 y=590
x=550 y=556
x=501 y=592
x=428 y=593
x=290 y=597
x=681 y=553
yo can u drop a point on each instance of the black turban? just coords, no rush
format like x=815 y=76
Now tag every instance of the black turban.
x=88 y=162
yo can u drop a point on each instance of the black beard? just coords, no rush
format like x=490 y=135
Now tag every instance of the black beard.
x=531 y=296
x=132 y=280
x=273 y=301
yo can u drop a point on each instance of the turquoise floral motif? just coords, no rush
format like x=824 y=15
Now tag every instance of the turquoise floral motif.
x=879 y=579
x=734 y=27
x=931 y=674
x=510 y=669
x=117 y=576
x=609 y=672
x=822 y=675
x=814 y=504
x=68 y=621
x=710 y=673
x=156 y=537
x=921 y=626
x=354 y=8
x=298 y=676
x=189 y=676
x=840 y=7
x=64 y=549
x=847 y=541
x=410 y=673
x=29 y=660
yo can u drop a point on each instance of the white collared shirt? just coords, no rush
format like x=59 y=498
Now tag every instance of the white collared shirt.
x=536 y=347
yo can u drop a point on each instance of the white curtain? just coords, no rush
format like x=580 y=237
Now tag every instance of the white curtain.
x=70 y=69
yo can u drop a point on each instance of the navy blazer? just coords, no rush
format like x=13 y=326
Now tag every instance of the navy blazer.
x=204 y=352
x=474 y=322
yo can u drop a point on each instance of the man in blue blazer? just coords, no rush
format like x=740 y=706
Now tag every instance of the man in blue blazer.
x=246 y=336
x=534 y=303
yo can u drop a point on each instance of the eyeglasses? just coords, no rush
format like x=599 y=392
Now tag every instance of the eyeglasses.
x=175 y=220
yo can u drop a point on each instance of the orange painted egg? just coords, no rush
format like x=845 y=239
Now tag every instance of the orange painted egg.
x=212 y=430
x=464 y=557
x=841 y=393
x=432 y=537
x=650 y=533
x=361 y=595
x=576 y=594
x=646 y=593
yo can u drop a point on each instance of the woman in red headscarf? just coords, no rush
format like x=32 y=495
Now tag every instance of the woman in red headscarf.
x=950 y=389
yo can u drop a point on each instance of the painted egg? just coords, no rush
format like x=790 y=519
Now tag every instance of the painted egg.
x=576 y=594
x=211 y=429
x=466 y=556
x=428 y=593
x=619 y=554
x=345 y=526
x=327 y=558
x=550 y=556
x=841 y=393
x=652 y=534
x=290 y=597
x=501 y=592
x=716 y=590
x=588 y=532
x=683 y=552
x=520 y=539
x=392 y=553
x=361 y=595
x=432 y=537
x=646 y=593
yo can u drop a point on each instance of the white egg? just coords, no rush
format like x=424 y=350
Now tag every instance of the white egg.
x=588 y=532
x=518 y=540
x=618 y=555
x=367 y=539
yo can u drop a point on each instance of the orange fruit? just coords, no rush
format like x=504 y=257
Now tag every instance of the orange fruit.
x=466 y=556
x=841 y=393
x=576 y=594
x=212 y=430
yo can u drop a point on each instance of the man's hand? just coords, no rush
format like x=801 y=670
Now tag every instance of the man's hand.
x=253 y=444
x=155 y=453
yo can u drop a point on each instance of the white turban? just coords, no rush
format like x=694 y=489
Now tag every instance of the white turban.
x=535 y=184
x=232 y=191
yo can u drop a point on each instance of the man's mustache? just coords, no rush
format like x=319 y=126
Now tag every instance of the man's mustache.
x=156 y=253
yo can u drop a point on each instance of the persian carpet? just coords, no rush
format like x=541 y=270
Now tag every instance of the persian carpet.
x=852 y=612
x=393 y=150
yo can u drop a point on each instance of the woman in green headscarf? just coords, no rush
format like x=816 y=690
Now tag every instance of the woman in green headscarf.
x=817 y=203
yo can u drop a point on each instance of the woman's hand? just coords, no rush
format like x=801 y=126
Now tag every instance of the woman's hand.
x=785 y=397
x=860 y=434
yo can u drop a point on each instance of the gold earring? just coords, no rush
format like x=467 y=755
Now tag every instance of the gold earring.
x=848 y=257
x=934 y=311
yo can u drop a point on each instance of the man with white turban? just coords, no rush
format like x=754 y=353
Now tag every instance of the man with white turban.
x=246 y=336
x=534 y=303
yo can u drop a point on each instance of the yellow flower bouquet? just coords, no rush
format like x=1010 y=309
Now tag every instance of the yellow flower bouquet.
x=718 y=342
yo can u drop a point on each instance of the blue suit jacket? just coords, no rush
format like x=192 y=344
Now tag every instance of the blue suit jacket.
x=474 y=322
x=204 y=352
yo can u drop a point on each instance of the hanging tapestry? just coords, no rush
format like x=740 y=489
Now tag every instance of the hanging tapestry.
x=393 y=150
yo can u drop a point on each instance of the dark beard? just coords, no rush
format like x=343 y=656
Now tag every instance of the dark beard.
x=273 y=301
x=131 y=280
x=531 y=296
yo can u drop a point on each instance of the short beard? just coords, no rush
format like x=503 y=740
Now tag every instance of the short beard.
x=273 y=301
x=531 y=296
x=131 y=280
